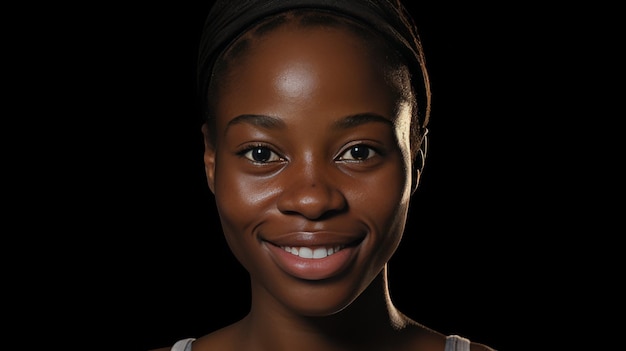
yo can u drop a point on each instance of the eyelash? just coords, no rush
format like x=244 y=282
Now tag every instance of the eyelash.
x=371 y=152
x=248 y=153
x=272 y=157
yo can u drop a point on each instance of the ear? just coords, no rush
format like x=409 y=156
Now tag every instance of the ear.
x=209 y=157
x=418 y=162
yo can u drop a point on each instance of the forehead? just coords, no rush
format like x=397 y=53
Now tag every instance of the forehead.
x=368 y=41
x=295 y=62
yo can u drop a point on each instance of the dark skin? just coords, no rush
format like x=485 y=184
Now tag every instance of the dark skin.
x=312 y=150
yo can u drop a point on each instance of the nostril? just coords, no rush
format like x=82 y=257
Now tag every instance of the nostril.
x=315 y=201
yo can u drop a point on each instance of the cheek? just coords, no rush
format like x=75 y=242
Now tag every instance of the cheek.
x=242 y=202
x=242 y=197
x=385 y=202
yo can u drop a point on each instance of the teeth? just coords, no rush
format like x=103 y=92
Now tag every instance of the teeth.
x=307 y=252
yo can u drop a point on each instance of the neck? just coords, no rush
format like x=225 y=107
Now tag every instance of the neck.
x=368 y=321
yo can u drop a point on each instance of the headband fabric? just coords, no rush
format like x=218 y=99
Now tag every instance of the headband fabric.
x=227 y=19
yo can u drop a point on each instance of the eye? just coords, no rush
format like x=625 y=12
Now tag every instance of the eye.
x=357 y=153
x=261 y=154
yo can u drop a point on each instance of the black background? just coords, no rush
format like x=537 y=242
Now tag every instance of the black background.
x=157 y=266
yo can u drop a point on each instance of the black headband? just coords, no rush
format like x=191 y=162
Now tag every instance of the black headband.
x=228 y=18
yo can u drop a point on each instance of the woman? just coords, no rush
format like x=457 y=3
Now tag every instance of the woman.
x=315 y=139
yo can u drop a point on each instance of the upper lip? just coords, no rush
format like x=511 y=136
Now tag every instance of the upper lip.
x=317 y=238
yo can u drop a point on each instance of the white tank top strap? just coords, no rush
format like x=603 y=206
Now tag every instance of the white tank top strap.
x=184 y=345
x=457 y=343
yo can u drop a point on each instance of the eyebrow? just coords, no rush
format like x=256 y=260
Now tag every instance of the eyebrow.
x=263 y=121
x=271 y=122
x=360 y=119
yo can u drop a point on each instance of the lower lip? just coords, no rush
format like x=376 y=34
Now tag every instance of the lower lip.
x=312 y=269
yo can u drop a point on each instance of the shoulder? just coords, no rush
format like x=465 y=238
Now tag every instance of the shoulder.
x=459 y=343
x=180 y=345
x=221 y=339
x=421 y=337
x=474 y=346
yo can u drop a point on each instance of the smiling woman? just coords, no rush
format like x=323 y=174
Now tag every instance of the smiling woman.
x=315 y=135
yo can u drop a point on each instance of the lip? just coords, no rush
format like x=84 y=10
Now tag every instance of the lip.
x=315 y=239
x=314 y=268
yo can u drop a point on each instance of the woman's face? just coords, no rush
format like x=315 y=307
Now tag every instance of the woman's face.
x=310 y=168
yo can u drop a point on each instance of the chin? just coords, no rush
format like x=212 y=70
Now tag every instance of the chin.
x=320 y=301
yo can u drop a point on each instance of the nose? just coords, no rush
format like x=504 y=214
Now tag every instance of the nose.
x=312 y=191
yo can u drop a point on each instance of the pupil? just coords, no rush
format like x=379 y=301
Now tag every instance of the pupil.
x=261 y=154
x=359 y=152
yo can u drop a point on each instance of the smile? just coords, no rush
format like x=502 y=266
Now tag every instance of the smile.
x=314 y=253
